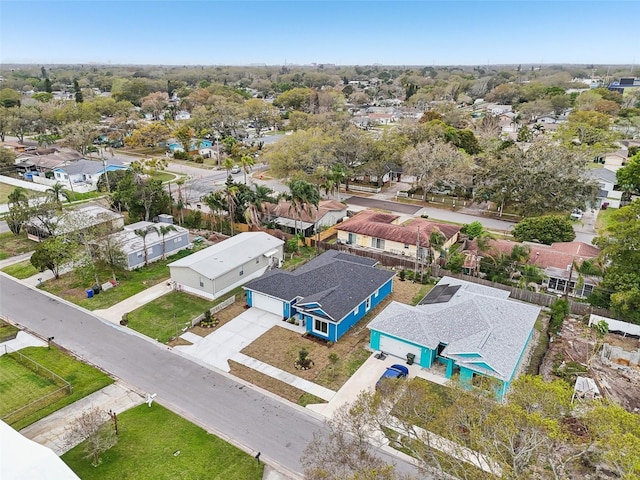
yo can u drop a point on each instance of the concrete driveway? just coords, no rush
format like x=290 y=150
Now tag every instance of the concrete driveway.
x=223 y=343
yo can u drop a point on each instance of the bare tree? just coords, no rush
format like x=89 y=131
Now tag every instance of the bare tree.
x=93 y=428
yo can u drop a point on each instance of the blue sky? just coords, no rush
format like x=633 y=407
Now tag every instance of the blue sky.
x=303 y=32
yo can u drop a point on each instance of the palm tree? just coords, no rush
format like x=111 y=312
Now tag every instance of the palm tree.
x=436 y=244
x=260 y=195
x=228 y=165
x=18 y=196
x=303 y=196
x=246 y=162
x=338 y=174
x=231 y=196
x=216 y=203
x=180 y=201
x=143 y=232
x=163 y=230
x=57 y=191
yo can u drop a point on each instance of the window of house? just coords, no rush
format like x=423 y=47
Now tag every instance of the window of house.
x=201 y=282
x=321 y=326
x=177 y=240
x=377 y=243
x=352 y=238
x=368 y=303
x=406 y=245
x=377 y=293
x=258 y=260
x=553 y=282
x=140 y=254
x=587 y=290
x=241 y=271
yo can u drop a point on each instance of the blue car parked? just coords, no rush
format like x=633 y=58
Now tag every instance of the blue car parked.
x=394 y=371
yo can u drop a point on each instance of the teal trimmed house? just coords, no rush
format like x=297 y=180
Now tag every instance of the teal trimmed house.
x=472 y=330
x=328 y=295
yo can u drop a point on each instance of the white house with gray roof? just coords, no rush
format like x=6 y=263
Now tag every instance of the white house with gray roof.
x=83 y=175
x=329 y=294
x=471 y=329
x=220 y=268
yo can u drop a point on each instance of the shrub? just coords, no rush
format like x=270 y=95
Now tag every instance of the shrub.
x=559 y=310
x=403 y=274
x=198 y=159
x=181 y=155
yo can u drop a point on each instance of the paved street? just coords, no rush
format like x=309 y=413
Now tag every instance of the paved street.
x=236 y=412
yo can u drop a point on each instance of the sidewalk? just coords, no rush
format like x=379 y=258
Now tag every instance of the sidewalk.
x=114 y=314
x=51 y=430
x=13 y=260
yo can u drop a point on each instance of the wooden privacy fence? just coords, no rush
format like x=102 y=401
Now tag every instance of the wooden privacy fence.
x=215 y=309
x=386 y=259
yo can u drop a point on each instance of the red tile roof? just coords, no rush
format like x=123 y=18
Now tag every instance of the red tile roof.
x=557 y=255
x=378 y=225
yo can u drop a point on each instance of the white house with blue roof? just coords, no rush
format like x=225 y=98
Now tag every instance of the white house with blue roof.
x=328 y=295
x=471 y=329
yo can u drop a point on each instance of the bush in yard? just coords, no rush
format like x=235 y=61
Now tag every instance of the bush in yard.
x=546 y=229
x=403 y=275
x=193 y=219
x=559 y=310
x=181 y=155
x=303 y=362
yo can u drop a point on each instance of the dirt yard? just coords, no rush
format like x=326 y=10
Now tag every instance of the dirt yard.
x=576 y=351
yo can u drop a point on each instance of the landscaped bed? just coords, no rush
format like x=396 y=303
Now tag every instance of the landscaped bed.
x=72 y=286
x=23 y=382
x=157 y=444
x=280 y=347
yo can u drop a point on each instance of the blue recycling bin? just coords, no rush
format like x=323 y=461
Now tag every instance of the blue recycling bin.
x=89 y=292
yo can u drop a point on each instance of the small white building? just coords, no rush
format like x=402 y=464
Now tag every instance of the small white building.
x=218 y=269
x=158 y=245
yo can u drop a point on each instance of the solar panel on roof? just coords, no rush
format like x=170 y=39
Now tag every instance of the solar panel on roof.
x=439 y=294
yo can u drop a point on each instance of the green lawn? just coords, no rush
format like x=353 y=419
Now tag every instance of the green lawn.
x=19 y=385
x=604 y=218
x=72 y=286
x=163 y=176
x=76 y=197
x=5 y=190
x=7 y=331
x=21 y=270
x=12 y=245
x=156 y=318
x=154 y=443
x=293 y=260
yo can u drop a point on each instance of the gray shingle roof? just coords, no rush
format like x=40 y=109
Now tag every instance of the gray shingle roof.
x=339 y=282
x=476 y=320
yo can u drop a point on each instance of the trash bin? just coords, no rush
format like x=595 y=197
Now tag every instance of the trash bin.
x=96 y=289
x=410 y=358
x=89 y=292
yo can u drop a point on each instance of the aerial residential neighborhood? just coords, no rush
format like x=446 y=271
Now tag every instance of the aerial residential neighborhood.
x=322 y=249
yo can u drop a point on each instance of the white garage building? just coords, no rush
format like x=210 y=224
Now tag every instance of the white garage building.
x=218 y=269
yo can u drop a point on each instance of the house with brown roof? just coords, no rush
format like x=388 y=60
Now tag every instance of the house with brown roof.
x=328 y=213
x=558 y=261
x=382 y=231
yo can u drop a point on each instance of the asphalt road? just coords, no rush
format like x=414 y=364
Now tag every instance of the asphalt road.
x=232 y=410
